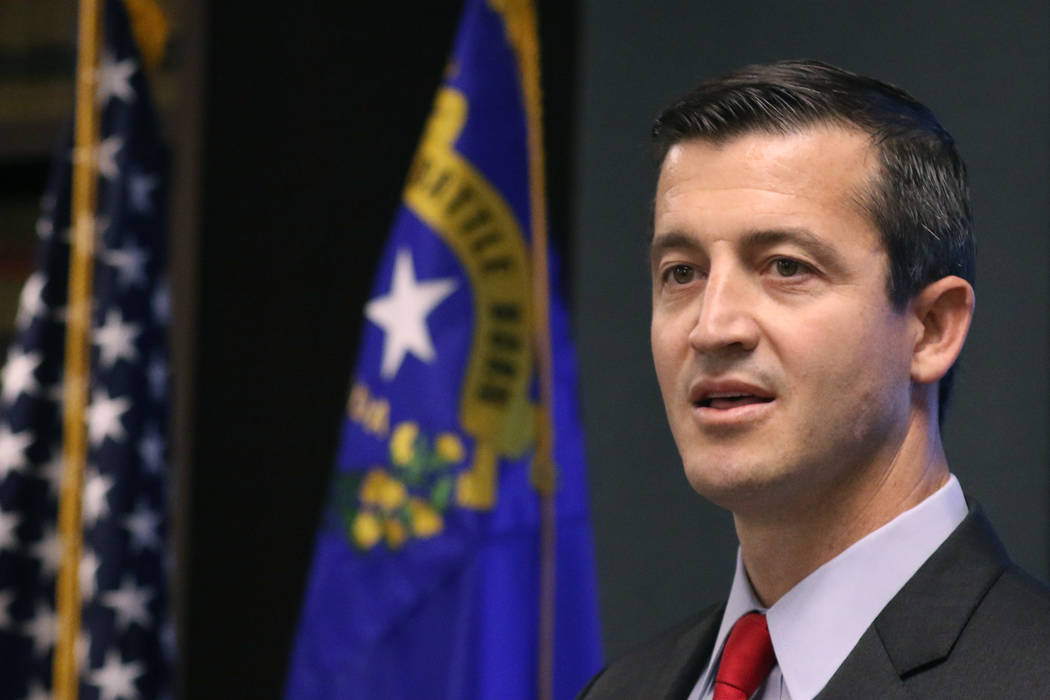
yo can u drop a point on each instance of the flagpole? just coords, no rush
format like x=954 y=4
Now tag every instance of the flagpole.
x=543 y=474
x=78 y=318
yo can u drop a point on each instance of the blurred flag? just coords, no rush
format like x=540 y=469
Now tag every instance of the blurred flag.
x=425 y=581
x=125 y=645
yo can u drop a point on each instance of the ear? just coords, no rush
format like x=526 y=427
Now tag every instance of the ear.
x=942 y=314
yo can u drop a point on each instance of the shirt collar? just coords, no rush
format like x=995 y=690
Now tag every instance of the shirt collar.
x=816 y=624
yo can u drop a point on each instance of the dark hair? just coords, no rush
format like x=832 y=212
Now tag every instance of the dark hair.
x=919 y=203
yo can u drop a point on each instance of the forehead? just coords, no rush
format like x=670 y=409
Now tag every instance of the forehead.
x=816 y=177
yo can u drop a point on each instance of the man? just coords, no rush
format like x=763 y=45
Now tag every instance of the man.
x=812 y=269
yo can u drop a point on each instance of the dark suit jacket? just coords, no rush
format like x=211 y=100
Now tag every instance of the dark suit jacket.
x=969 y=624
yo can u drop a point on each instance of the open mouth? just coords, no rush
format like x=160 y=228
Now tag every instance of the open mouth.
x=727 y=401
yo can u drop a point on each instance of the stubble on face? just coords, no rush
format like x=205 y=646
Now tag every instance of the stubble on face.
x=783 y=366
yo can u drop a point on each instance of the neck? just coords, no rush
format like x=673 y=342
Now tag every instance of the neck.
x=781 y=546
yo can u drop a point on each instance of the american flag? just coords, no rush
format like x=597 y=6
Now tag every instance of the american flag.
x=126 y=645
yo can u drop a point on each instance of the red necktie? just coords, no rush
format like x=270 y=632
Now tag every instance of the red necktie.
x=746 y=660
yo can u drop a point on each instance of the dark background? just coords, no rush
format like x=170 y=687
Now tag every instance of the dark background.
x=297 y=127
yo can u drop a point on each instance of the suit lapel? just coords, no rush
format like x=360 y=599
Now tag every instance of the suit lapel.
x=690 y=655
x=866 y=673
x=922 y=623
x=919 y=627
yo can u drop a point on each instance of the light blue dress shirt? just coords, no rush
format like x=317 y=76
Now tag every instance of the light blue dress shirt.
x=816 y=624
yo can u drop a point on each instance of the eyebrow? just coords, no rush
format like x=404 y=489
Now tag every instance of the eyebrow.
x=672 y=240
x=824 y=253
x=763 y=238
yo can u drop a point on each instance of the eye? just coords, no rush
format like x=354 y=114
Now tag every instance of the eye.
x=681 y=274
x=786 y=267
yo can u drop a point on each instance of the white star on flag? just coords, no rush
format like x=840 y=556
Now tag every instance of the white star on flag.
x=161 y=301
x=37 y=692
x=140 y=191
x=82 y=648
x=17 y=376
x=115 y=339
x=96 y=488
x=8 y=523
x=116 y=679
x=31 y=301
x=104 y=418
x=49 y=551
x=157 y=375
x=128 y=604
x=130 y=263
x=151 y=449
x=13 y=449
x=45 y=226
x=106 y=157
x=169 y=639
x=88 y=572
x=402 y=314
x=43 y=628
x=142 y=525
x=114 y=78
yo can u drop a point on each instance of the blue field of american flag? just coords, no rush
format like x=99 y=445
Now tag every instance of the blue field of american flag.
x=126 y=643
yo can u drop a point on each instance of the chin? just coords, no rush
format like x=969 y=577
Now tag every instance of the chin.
x=733 y=486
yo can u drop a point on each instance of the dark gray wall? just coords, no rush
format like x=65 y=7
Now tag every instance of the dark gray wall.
x=983 y=68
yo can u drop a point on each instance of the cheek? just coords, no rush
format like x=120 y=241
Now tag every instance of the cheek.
x=667 y=344
x=864 y=368
x=883 y=349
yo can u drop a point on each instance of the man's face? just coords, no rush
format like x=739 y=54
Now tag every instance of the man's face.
x=784 y=370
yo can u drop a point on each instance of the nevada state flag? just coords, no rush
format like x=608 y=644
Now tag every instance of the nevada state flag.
x=426 y=577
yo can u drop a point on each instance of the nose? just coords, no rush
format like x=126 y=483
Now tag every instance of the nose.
x=727 y=321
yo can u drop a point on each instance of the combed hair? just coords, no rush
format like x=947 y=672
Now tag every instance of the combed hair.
x=919 y=202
